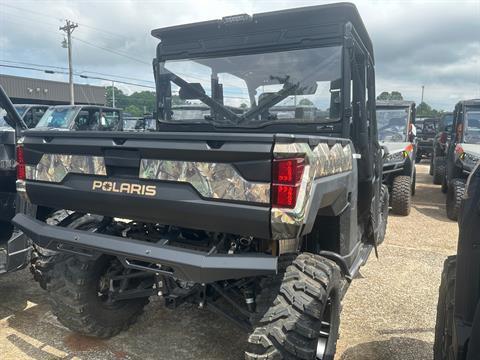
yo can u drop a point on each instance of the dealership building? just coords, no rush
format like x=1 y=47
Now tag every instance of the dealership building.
x=38 y=91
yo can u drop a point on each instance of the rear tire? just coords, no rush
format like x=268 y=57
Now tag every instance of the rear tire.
x=456 y=189
x=75 y=298
x=444 y=184
x=414 y=182
x=442 y=347
x=438 y=170
x=76 y=301
x=384 y=196
x=401 y=195
x=298 y=311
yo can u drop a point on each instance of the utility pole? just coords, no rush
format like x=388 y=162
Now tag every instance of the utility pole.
x=113 y=93
x=68 y=28
x=423 y=88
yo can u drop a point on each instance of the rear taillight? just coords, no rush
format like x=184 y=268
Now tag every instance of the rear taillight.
x=287 y=177
x=21 y=175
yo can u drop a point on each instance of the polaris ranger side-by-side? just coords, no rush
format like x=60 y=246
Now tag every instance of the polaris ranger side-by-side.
x=395 y=119
x=14 y=247
x=463 y=152
x=457 y=331
x=81 y=118
x=260 y=217
x=440 y=145
x=426 y=132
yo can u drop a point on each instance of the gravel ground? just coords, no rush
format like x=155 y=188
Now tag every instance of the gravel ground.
x=388 y=312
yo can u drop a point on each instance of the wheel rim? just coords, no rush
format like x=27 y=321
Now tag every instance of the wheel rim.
x=324 y=338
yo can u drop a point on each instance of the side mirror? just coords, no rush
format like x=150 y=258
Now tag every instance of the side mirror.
x=191 y=92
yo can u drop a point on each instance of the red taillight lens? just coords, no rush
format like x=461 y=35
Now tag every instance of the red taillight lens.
x=21 y=175
x=459 y=149
x=287 y=176
x=288 y=171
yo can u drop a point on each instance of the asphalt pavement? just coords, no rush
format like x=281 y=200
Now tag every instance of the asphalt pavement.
x=388 y=312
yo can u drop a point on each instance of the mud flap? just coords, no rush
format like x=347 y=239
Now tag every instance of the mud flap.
x=15 y=254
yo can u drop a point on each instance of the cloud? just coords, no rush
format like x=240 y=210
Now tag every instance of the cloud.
x=431 y=43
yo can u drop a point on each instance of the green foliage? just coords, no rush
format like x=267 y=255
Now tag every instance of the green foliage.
x=394 y=95
x=305 y=102
x=138 y=102
x=425 y=110
x=133 y=110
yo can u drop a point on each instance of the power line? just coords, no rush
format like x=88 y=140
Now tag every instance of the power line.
x=62 y=19
x=111 y=50
x=80 y=73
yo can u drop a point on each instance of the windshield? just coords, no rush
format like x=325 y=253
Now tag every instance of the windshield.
x=392 y=124
x=249 y=90
x=58 y=118
x=447 y=120
x=138 y=124
x=20 y=109
x=472 y=126
x=429 y=126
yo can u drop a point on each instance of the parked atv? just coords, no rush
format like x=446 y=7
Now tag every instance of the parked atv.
x=425 y=135
x=457 y=331
x=263 y=218
x=395 y=120
x=14 y=246
x=463 y=153
x=440 y=145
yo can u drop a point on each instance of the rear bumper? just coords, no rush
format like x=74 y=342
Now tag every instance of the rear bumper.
x=15 y=253
x=181 y=263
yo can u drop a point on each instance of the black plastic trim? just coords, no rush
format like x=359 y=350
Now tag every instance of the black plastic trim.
x=188 y=265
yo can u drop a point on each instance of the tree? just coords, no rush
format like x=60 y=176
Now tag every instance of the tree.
x=425 y=110
x=120 y=98
x=394 y=95
x=133 y=110
x=243 y=106
x=305 y=102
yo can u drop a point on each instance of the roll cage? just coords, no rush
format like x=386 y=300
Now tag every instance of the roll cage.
x=310 y=27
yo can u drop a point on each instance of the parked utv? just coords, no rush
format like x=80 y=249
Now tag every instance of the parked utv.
x=261 y=218
x=395 y=120
x=457 y=332
x=14 y=246
x=81 y=118
x=440 y=145
x=426 y=133
x=463 y=153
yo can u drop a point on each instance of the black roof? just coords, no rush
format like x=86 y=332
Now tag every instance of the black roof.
x=30 y=105
x=471 y=102
x=394 y=103
x=78 y=106
x=302 y=27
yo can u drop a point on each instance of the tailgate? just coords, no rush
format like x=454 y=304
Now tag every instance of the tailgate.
x=215 y=182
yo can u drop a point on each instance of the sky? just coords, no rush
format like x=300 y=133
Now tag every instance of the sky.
x=431 y=43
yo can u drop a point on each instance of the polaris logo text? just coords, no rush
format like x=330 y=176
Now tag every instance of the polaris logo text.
x=126 y=188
